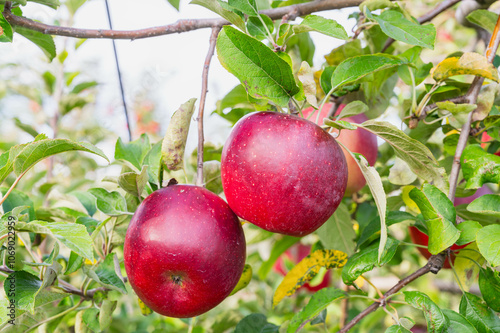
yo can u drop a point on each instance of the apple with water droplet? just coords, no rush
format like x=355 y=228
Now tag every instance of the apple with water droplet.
x=282 y=173
x=184 y=251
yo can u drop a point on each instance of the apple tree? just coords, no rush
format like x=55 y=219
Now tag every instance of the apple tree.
x=356 y=194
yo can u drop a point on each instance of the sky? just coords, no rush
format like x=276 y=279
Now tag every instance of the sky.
x=168 y=67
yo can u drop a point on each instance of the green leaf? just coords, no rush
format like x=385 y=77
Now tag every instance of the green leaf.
x=263 y=73
x=36 y=151
x=489 y=284
x=458 y=323
x=400 y=173
x=29 y=293
x=26 y=128
x=73 y=235
x=153 y=161
x=373 y=227
x=134 y=183
x=322 y=25
x=479 y=167
x=439 y=215
x=247 y=7
x=318 y=302
x=338 y=232
x=343 y=52
x=221 y=8
x=174 y=3
x=486 y=204
x=83 y=86
x=374 y=182
x=244 y=280
x=468 y=231
x=91 y=319
x=475 y=310
x=366 y=260
x=488 y=242
x=106 y=273
x=7 y=161
x=106 y=313
x=174 y=142
x=44 y=42
x=338 y=124
x=133 y=152
x=373 y=5
x=395 y=25
x=456 y=108
x=397 y=329
x=87 y=200
x=255 y=323
x=355 y=68
x=15 y=199
x=436 y=320
x=418 y=157
x=257 y=29
x=279 y=247
x=352 y=109
x=5 y=30
x=484 y=18
x=75 y=262
x=110 y=203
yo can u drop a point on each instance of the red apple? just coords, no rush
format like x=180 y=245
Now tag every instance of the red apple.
x=184 y=251
x=295 y=254
x=358 y=141
x=485 y=138
x=418 y=237
x=283 y=173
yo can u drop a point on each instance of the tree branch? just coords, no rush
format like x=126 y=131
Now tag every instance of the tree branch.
x=434 y=264
x=471 y=98
x=204 y=90
x=180 y=26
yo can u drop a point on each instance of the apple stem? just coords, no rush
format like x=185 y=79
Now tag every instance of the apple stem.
x=204 y=90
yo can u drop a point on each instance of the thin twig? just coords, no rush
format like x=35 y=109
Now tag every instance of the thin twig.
x=177 y=27
x=441 y=7
x=204 y=90
x=472 y=95
x=125 y=109
x=434 y=264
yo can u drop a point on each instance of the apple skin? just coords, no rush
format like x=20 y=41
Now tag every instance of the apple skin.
x=358 y=141
x=418 y=237
x=486 y=138
x=184 y=251
x=295 y=254
x=282 y=173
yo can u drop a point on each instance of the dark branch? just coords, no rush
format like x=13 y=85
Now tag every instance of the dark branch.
x=204 y=90
x=434 y=264
x=180 y=26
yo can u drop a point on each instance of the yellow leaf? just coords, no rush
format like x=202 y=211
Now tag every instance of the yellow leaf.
x=306 y=269
x=144 y=308
x=467 y=270
x=245 y=278
x=469 y=63
x=411 y=206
